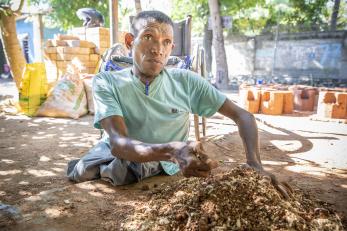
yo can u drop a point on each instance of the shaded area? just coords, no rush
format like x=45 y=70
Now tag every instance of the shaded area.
x=34 y=153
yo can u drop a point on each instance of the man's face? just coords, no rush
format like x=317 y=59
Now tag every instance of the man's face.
x=152 y=48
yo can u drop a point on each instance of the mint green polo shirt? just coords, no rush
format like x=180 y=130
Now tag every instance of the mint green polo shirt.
x=162 y=116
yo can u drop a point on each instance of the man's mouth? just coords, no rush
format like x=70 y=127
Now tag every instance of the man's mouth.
x=155 y=61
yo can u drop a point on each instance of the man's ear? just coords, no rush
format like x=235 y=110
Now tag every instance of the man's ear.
x=129 y=39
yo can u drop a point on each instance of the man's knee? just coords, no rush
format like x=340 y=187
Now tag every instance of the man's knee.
x=79 y=171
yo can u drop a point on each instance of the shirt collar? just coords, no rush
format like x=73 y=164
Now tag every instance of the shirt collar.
x=153 y=86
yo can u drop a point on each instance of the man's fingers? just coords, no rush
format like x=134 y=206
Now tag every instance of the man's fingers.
x=282 y=191
x=267 y=178
x=212 y=163
x=196 y=173
x=200 y=166
x=283 y=188
x=202 y=173
x=288 y=187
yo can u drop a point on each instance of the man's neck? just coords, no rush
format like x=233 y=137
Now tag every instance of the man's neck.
x=143 y=78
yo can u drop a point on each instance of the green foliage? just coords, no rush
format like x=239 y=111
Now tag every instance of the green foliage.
x=309 y=14
x=241 y=11
x=251 y=17
x=342 y=17
x=63 y=13
x=198 y=9
x=5 y=7
x=5 y=2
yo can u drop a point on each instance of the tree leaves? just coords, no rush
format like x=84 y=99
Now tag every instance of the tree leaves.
x=63 y=12
x=251 y=17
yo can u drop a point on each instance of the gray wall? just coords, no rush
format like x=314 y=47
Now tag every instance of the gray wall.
x=320 y=55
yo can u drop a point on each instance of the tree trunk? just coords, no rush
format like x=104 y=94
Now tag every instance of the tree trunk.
x=13 y=50
x=207 y=43
x=334 y=15
x=113 y=12
x=138 y=6
x=222 y=78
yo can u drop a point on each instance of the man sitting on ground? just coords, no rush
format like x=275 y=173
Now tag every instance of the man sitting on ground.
x=145 y=109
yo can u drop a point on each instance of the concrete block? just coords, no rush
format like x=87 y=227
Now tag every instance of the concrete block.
x=69 y=57
x=58 y=43
x=332 y=104
x=50 y=50
x=326 y=101
x=288 y=102
x=62 y=64
x=250 y=99
x=304 y=98
x=49 y=43
x=94 y=57
x=80 y=43
x=52 y=56
x=79 y=32
x=74 y=50
x=98 y=31
x=271 y=102
x=92 y=70
x=65 y=37
x=340 y=107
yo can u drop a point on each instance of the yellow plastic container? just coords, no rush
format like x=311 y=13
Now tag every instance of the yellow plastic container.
x=33 y=88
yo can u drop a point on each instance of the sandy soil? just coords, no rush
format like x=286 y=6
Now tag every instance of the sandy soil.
x=310 y=155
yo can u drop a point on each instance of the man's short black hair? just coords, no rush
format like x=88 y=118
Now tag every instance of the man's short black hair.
x=152 y=15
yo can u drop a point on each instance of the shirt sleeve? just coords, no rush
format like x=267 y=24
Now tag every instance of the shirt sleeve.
x=106 y=102
x=205 y=100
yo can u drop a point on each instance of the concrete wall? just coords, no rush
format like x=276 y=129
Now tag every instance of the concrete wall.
x=240 y=57
x=320 y=55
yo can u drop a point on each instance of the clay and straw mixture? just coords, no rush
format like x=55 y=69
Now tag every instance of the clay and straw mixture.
x=240 y=199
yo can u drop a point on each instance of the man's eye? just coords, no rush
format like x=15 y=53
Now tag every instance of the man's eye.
x=147 y=37
x=167 y=42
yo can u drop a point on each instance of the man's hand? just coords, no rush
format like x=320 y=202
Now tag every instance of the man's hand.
x=282 y=187
x=192 y=159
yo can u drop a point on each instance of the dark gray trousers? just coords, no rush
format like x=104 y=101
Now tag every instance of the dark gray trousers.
x=100 y=163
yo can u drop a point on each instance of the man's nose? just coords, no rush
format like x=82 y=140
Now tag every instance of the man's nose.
x=157 y=48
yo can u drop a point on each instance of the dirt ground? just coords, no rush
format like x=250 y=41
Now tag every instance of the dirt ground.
x=308 y=154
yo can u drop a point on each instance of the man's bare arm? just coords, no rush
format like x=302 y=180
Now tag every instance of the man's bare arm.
x=129 y=149
x=248 y=131
x=132 y=150
x=249 y=134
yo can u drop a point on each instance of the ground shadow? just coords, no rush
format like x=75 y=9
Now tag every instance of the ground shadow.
x=34 y=153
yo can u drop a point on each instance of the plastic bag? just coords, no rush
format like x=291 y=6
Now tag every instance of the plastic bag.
x=33 y=88
x=67 y=99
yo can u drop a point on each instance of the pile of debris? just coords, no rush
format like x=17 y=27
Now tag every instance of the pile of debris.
x=237 y=200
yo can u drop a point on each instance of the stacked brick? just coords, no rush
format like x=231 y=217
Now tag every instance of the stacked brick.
x=250 y=98
x=277 y=100
x=332 y=104
x=59 y=52
x=100 y=36
x=305 y=98
x=268 y=100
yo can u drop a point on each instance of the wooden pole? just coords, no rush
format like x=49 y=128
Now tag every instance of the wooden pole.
x=113 y=6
